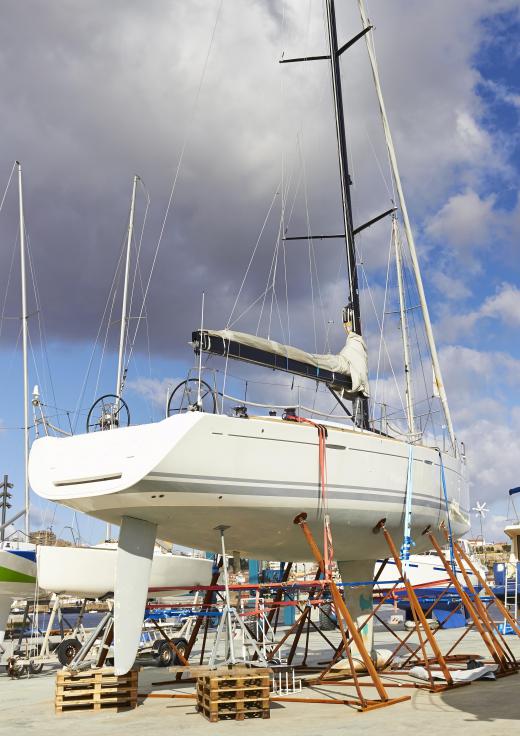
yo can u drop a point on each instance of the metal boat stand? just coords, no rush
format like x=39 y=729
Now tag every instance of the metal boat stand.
x=229 y=622
x=29 y=655
x=476 y=609
x=207 y=603
x=274 y=614
x=105 y=631
x=349 y=633
x=303 y=624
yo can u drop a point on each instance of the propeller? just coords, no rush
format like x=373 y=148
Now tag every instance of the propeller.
x=481 y=509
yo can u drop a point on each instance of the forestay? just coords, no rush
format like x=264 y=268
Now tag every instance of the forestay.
x=346 y=371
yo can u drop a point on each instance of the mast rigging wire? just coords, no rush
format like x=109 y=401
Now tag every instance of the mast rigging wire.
x=6 y=291
x=138 y=272
x=255 y=248
x=187 y=136
x=364 y=273
x=41 y=329
x=95 y=345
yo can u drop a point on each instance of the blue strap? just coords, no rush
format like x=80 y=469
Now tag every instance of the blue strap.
x=407 y=538
x=445 y=492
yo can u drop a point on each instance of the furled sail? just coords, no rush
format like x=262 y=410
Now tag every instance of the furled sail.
x=346 y=371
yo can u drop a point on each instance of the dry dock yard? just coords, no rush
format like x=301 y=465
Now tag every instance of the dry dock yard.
x=290 y=496
x=290 y=657
x=484 y=707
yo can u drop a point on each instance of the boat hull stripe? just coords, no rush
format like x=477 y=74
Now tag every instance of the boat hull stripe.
x=303 y=490
x=7 y=575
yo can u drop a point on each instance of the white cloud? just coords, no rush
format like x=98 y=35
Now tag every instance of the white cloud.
x=493 y=525
x=493 y=450
x=135 y=118
x=502 y=93
x=474 y=141
x=466 y=220
x=481 y=389
x=485 y=365
x=154 y=390
x=452 y=288
x=504 y=305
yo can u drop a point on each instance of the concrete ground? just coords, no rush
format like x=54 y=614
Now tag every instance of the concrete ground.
x=27 y=706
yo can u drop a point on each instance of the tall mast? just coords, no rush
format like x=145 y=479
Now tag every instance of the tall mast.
x=404 y=329
x=345 y=180
x=24 y=350
x=352 y=317
x=124 y=316
x=408 y=230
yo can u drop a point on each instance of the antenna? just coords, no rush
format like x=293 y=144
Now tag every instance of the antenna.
x=481 y=510
x=5 y=504
x=25 y=318
x=124 y=316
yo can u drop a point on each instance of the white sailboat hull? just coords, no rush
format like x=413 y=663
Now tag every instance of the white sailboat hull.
x=17 y=580
x=17 y=575
x=423 y=571
x=89 y=572
x=194 y=471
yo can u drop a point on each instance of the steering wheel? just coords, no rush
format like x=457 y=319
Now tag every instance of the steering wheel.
x=108 y=412
x=185 y=397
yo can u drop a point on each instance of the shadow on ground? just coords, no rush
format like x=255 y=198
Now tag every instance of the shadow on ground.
x=487 y=701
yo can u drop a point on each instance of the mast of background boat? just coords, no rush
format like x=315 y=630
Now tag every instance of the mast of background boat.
x=404 y=329
x=124 y=316
x=352 y=318
x=24 y=350
x=408 y=229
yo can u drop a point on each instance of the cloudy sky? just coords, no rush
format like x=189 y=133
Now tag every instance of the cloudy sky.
x=190 y=96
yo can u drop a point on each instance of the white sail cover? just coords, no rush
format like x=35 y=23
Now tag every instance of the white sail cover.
x=351 y=361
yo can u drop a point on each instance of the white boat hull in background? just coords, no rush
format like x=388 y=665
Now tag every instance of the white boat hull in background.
x=17 y=575
x=89 y=572
x=192 y=472
x=17 y=580
x=425 y=571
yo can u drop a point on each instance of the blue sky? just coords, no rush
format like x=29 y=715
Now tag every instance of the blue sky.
x=86 y=109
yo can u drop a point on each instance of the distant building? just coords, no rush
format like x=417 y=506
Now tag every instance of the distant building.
x=490 y=552
x=43 y=536
x=47 y=537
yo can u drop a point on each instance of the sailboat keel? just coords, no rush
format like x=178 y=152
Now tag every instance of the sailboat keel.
x=358 y=598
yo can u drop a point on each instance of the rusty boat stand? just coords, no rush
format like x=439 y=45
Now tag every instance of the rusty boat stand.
x=423 y=650
x=428 y=653
x=477 y=611
x=348 y=628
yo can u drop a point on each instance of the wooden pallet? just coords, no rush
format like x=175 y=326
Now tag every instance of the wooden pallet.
x=95 y=689
x=235 y=694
